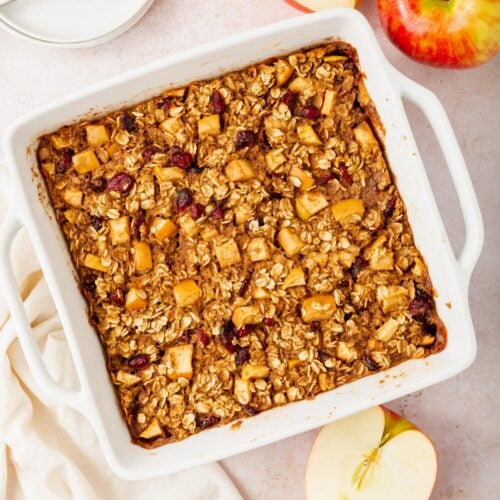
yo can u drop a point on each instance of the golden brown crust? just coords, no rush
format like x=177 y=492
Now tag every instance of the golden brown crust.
x=263 y=198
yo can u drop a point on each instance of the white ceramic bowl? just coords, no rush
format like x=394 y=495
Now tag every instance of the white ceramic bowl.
x=71 y=23
x=96 y=398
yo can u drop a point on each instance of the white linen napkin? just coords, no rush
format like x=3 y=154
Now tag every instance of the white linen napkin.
x=48 y=451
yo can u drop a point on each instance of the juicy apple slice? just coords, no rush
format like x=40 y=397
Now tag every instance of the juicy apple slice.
x=119 y=230
x=186 y=293
x=302 y=179
x=227 y=253
x=143 y=260
x=258 y=250
x=283 y=71
x=314 y=5
x=136 y=299
x=318 y=308
x=246 y=315
x=97 y=135
x=209 y=125
x=290 y=242
x=242 y=391
x=163 y=228
x=85 y=161
x=254 y=371
x=240 y=170
x=372 y=455
x=152 y=430
x=309 y=204
x=180 y=361
x=275 y=158
x=295 y=277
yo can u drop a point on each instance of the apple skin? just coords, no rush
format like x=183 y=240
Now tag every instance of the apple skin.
x=334 y=3
x=395 y=424
x=444 y=33
x=297 y=6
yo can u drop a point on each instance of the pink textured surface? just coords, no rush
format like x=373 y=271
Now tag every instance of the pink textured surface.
x=461 y=414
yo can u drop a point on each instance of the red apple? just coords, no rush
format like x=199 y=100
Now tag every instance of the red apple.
x=446 y=33
x=373 y=455
x=314 y=5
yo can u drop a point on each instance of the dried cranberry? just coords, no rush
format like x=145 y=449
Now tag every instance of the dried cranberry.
x=244 y=139
x=242 y=355
x=263 y=139
x=121 y=183
x=421 y=304
x=217 y=103
x=358 y=265
x=345 y=175
x=420 y=293
x=227 y=335
x=96 y=222
x=324 y=357
x=117 y=297
x=89 y=282
x=202 y=336
x=290 y=99
x=183 y=199
x=371 y=364
x=310 y=112
x=127 y=122
x=137 y=223
x=166 y=104
x=315 y=326
x=65 y=162
x=98 y=185
x=325 y=179
x=244 y=287
x=196 y=211
x=195 y=169
x=417 y=307
x=186 y=335
x=250 y=410
x=203 y=421
x=268 y=321
x=217 y=213
x=430 y=328
x=180 y=158
x=389 y=208
x=139 y=362
x=244 y=330
x=149 y=152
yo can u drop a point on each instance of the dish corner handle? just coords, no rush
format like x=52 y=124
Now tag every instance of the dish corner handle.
x=10 y=227
x=438 y=119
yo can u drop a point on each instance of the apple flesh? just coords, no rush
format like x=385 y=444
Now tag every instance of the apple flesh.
x=315 y=5
x=445 y=33
x=373 y=455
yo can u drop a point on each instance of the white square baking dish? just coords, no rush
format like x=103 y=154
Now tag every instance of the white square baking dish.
x=96 y=398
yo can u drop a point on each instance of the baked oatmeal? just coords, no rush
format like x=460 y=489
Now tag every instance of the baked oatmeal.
x=241 y=243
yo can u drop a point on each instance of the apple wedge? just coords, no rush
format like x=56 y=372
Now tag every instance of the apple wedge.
x=373 y=455
x=314 y=5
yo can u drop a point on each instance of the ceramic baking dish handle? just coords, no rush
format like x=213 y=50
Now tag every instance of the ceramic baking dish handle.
x=8 y=231
x=435 y=113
